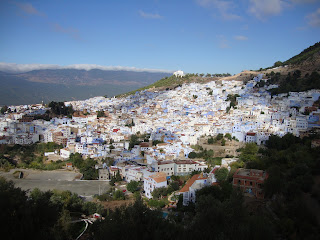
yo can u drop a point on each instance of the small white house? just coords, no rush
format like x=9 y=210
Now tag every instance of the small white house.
x=178 y=73
x=154 y=181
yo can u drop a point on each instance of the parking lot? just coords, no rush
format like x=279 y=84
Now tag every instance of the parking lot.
x=58 y=179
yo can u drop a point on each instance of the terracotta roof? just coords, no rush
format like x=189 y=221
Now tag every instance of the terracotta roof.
x=251 y=134
x=144 y=144
x=189 y=183
x=159 y=177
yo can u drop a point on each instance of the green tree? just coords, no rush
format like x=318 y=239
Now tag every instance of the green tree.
x=192 y=155
x=118 y=176
x=132 y=186
x=228 y=136
x=278 y=64
x=118 y=195
x=159 y=192
x=100 y=114
x=4 y=109
x=219 y=136
x=221 y=174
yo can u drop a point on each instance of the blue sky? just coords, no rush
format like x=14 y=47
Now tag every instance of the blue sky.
x=196 y=36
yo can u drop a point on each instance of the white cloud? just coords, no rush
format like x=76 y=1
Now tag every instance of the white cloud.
x=29 y=9
x=20 y=68
x=314 y=18
x=262 y=9
x=224 y=8
x=149 y=15
x=241 y=38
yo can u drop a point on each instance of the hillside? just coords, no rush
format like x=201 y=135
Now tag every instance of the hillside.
x=173 y=82
x=69 y=84
x=299 y=73
x=309 y=54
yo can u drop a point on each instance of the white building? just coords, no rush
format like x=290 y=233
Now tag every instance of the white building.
x=154 y=181
x=178 y=73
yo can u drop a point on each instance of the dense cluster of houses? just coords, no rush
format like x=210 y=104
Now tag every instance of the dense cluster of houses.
x=176 y=119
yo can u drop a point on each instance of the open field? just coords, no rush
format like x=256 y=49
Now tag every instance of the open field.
x=57 y=179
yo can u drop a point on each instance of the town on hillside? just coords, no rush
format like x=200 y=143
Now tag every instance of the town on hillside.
x=153 y=132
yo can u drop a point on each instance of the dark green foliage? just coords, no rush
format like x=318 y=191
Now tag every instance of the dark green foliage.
x=295 y=83
x=86 y=167
x=118 y=176
x=134 y=140
x=221 y=174
x=173 y=186
x=135 y=222
x=192 y=155
x=4 y=109
x=304 y=55
x=211 y=140
x=159 y=192
x=291 y=164
x=42 y=215
x=155 y=142
x=228 y=136
x=133 y=186
x=194 y=172
x=278 y=64
x=31 y=156
x=156 y=203
x=233 y=99
x=100 y=114
x=118 y=195
x=222 y=209
x=59 y=108
x=249 y=153
x=219 y=136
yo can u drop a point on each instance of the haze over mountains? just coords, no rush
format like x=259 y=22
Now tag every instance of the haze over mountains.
x=70 y=84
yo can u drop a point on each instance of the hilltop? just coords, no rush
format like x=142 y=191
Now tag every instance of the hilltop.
x=303 y=70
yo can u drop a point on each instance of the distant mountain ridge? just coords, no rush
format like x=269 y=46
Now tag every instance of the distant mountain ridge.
x=69 y=84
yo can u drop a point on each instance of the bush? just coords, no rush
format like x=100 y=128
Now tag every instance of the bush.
x=192 y=155
x=133 y=186
x=156 y=203
x=118 y=195
x=221 y=174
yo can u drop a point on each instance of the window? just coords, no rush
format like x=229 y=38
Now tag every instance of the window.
x=239 y=182
x=250 y=183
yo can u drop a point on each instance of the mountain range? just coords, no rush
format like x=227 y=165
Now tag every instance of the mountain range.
x=70 y=84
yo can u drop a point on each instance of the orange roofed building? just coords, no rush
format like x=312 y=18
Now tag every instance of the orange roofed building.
x=195 y=183
x=154 y=181
x=250 y=181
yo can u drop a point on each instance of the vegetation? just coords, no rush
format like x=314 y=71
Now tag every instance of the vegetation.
x=133 y=186
x=86 y=167
x=58 y=108
x=29 y=156
x=290 y=213
x=294 y=82
x=100 y=114
x=4 y=109
x=173 y=82
x=221 y=174
x=233 y=99
x=304 y=55
x=159 y=193
x=41 y=215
